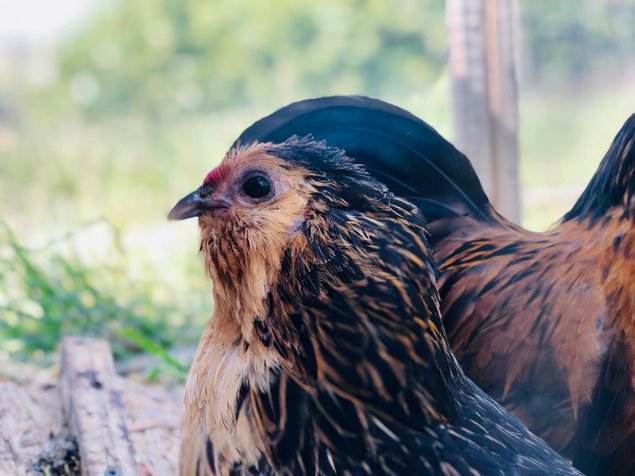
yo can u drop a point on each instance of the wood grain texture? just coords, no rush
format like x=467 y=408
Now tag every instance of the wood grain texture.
x=485 y=94
x=34 y=434
x=154 y=416
x=93 y=405
x=30 y=416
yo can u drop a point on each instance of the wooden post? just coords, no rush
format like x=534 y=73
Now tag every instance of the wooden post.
x=485 y=94
x=93 y=405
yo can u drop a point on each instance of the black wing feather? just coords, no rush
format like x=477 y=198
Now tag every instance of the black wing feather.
x=399 y=149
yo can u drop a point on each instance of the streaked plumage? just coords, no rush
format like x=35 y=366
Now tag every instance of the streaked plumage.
x=326 y=353
x=544 y=322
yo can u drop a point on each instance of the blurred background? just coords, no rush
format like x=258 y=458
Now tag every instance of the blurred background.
x=111 y=110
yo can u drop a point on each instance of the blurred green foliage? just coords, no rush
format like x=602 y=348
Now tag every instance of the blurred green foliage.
x=49 y=293
x=569 y=43
x=161 y=56
x=134 y=107
x=148 y=94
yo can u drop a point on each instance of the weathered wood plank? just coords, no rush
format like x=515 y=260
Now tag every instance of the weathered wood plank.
x=93 y=405
x=31 y=417
x=154 y=416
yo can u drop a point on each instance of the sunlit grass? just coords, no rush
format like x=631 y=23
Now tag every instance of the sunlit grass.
x=51 y=292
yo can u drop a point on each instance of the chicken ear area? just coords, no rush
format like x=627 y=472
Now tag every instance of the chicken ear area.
x=394 y=146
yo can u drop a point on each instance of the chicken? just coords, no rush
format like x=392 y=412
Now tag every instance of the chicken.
x=543 y=322
x=326 y=353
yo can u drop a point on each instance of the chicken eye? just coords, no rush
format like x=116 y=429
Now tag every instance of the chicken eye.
x=257 y=187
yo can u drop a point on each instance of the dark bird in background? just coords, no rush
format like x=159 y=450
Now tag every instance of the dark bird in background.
x=544 y=322
x=326 y=353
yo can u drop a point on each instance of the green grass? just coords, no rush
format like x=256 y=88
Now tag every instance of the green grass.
x=50 y=292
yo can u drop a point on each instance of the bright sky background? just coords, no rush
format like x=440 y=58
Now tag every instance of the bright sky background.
x=38 y=22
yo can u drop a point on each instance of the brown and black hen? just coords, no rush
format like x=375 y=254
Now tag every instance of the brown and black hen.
x=544 y=322
x=326 y=353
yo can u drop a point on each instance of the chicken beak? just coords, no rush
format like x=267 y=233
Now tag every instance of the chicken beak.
x=194 y=205
x=189 y=206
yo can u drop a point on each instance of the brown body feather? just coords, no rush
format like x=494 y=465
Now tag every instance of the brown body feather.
x=545 y=322
x=534 y=317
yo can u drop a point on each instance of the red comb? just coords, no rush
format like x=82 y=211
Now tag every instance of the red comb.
x=215 y=174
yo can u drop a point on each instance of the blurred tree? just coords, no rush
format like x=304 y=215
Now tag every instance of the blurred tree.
x=145 y=84
x=576 y=42
x=162 y=56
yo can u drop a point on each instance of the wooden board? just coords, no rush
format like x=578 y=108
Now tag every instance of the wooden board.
x=154 y=415
x=104 y=413
x=93 y=406
x=31 y=419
